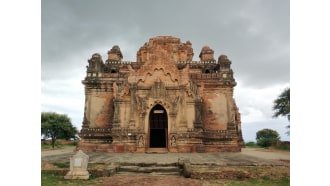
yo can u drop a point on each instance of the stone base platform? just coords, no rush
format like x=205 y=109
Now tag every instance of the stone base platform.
x=247 y=157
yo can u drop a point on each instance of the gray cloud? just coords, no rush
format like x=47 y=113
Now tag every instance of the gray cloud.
x=243 y=30
x=254 y=34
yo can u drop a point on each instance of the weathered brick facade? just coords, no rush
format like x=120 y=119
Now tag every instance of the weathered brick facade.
x=163 y=101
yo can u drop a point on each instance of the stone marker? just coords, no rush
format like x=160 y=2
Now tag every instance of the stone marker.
x=78 y=166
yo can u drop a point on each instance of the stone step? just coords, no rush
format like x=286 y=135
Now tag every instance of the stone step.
x=152 y=169
x=149 y=164
x=156 y=151
x=150 y=174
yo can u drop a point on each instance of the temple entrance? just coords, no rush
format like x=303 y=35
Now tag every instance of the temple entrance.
x=158 y=127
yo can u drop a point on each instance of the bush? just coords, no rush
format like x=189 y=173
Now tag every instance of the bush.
x=282 y=145
x=266 y=137
x=266 y=142
x=251 y=144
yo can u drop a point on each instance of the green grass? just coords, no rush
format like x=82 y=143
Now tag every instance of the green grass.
x=52 y=179
x=265 y=181
x=48 y=145
x=283 y=147
x=248 y=182
x=62 y=165
x=252 y=144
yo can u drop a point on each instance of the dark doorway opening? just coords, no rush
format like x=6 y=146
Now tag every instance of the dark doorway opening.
x=158 y=127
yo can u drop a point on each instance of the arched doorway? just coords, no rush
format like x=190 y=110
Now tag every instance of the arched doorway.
x=158 y=127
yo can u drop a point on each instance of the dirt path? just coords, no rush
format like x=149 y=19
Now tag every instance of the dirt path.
x=266 y=153
x=149 y=181
x=51 y=152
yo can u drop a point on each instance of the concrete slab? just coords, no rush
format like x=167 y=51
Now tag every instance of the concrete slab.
x=246 y=157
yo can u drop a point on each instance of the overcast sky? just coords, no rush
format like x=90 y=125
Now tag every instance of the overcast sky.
x=254 y=34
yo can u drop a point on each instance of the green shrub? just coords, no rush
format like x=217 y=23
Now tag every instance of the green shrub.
x=251 y=144
x=266 y=142
x=283 y=146
x=266 y=137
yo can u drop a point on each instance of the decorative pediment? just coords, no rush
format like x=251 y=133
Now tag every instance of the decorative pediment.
x=156 y=75
x=159 y=61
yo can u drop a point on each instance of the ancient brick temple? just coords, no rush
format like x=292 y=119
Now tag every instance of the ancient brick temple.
x=164 y=101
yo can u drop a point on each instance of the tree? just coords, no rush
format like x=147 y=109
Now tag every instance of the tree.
x=281 y=105
x=57 y=126
x=266 y=137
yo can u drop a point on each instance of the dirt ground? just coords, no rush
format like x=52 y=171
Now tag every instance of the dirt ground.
x=149 y=180
x=276 y=174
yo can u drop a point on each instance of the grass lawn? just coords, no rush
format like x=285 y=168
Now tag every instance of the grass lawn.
x=47 y=145
x=52 y=179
